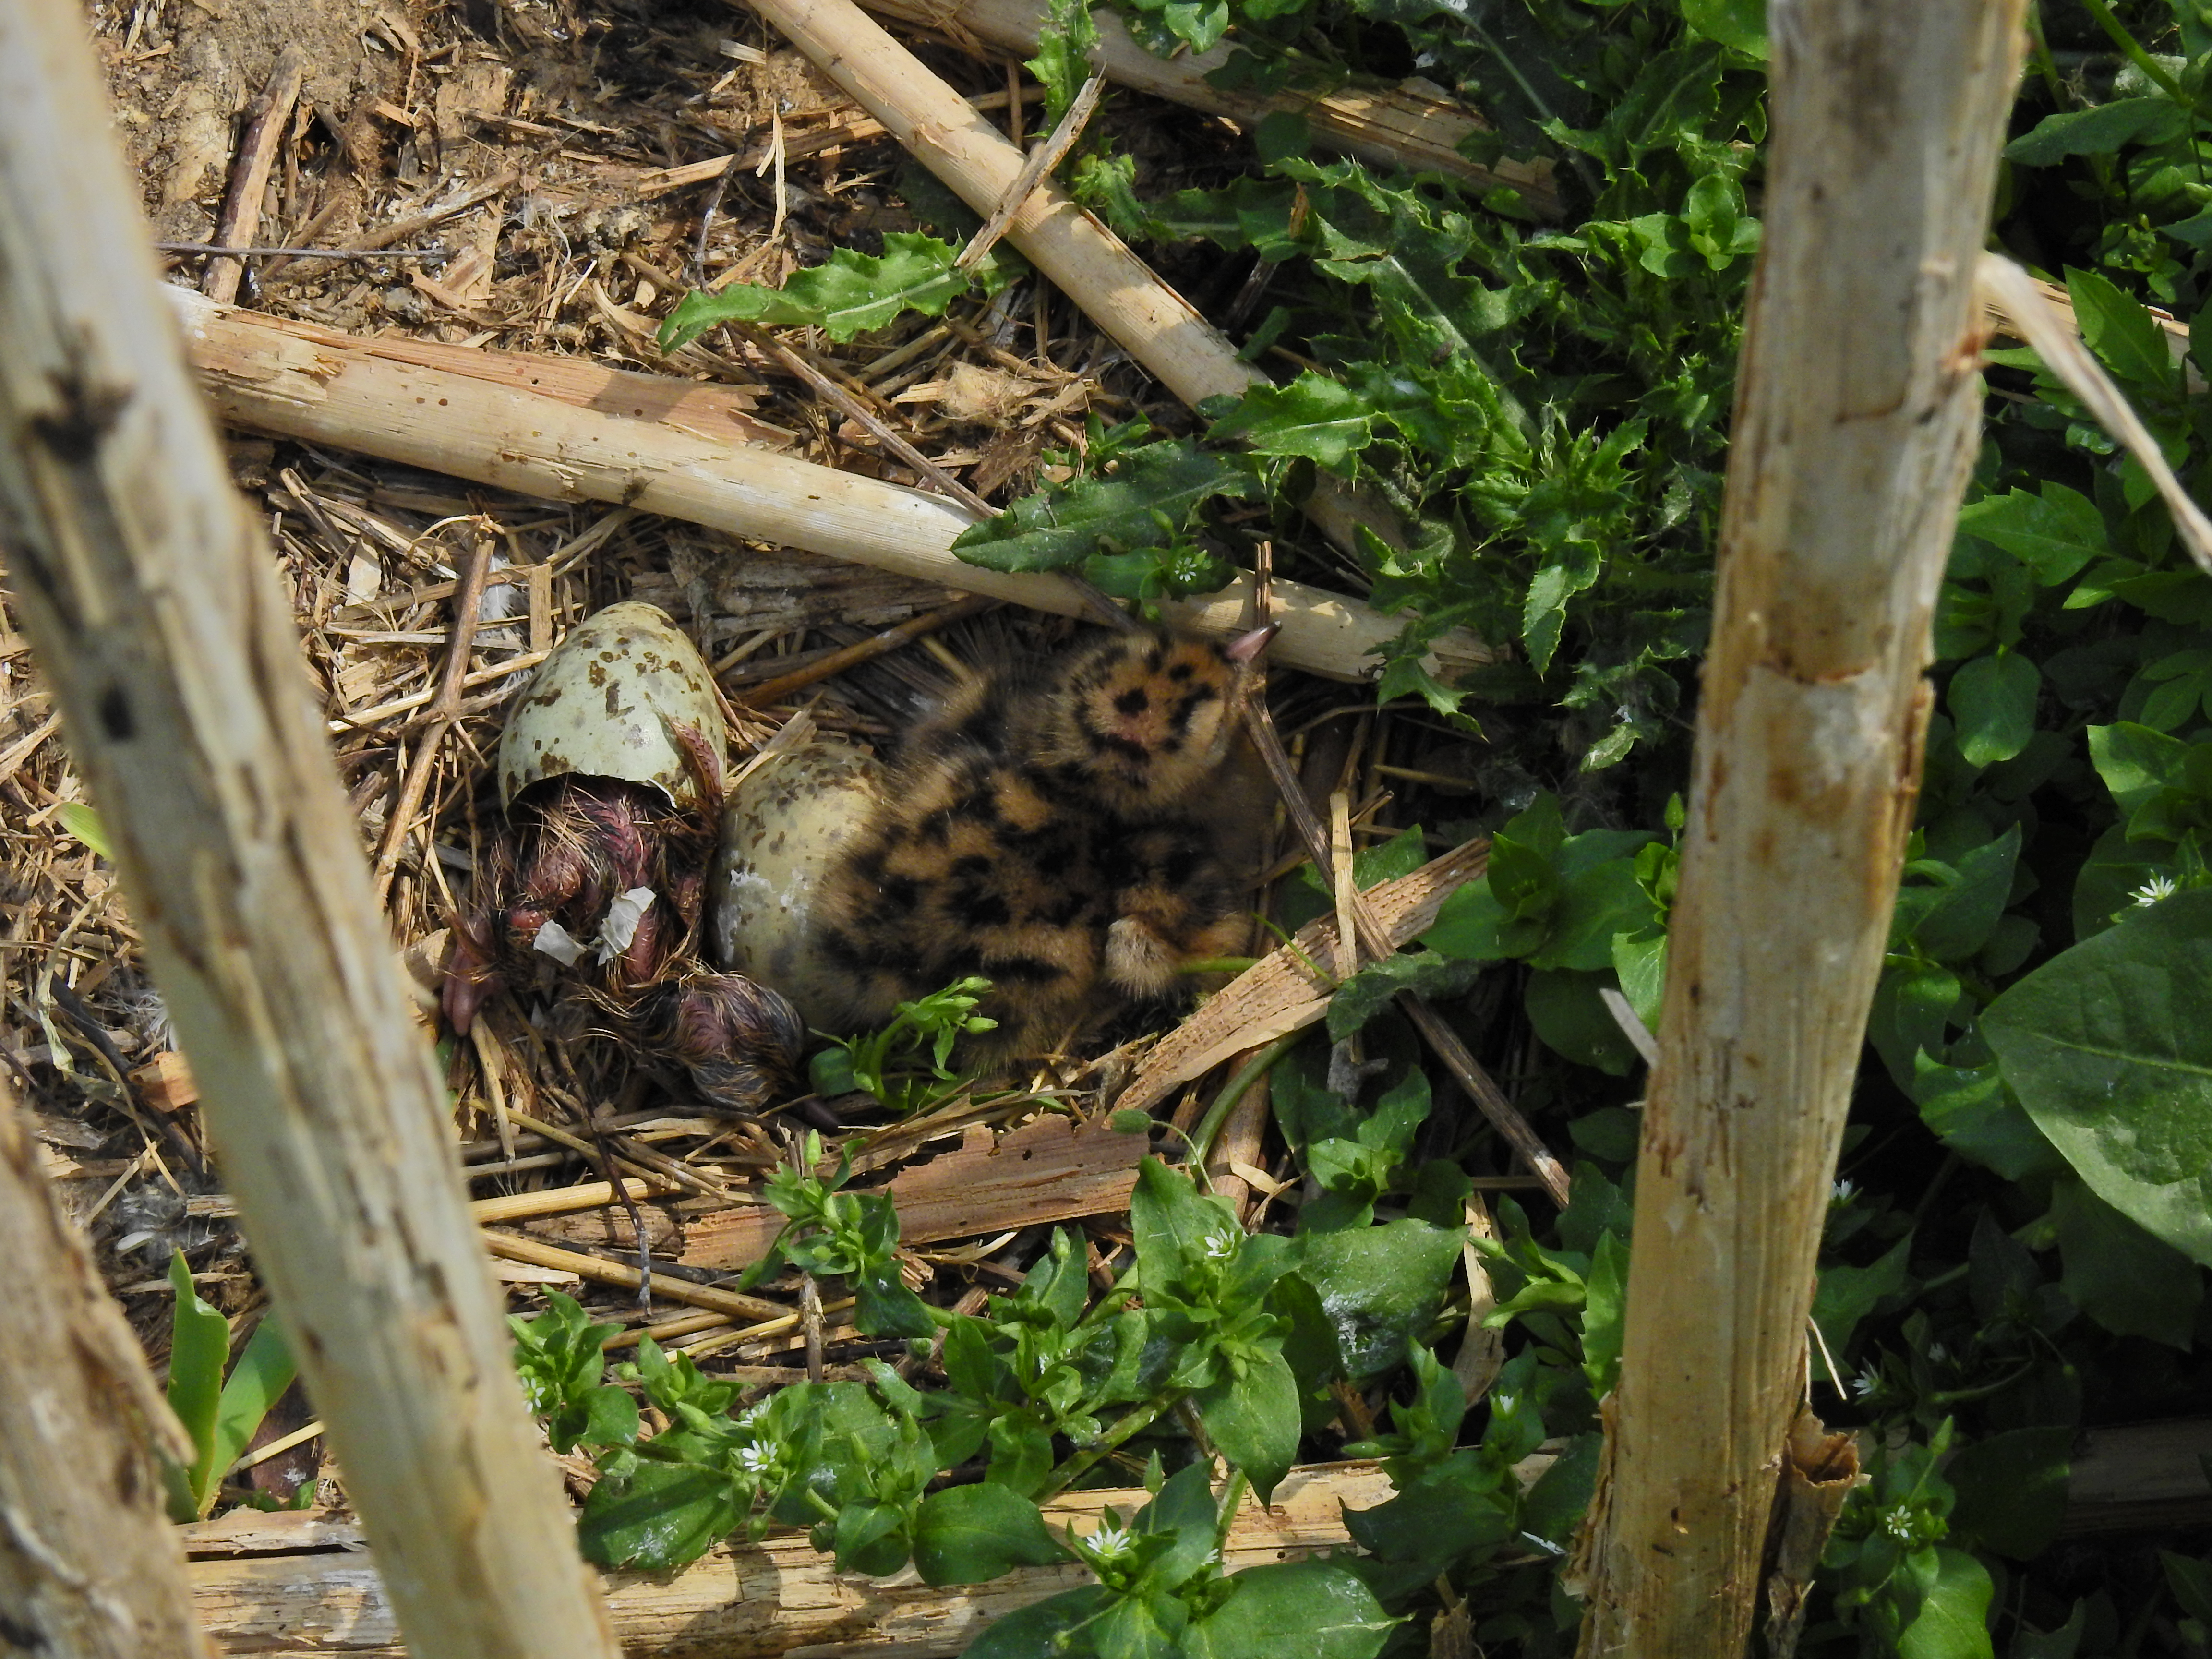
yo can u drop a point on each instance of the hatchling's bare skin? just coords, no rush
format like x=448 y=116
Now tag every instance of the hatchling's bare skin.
x=1057 y=829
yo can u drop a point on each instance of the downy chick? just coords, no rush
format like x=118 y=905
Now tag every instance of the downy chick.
x=1064 y=830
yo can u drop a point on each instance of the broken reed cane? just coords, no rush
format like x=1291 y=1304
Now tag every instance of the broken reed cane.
x=1857 y=415
x=1082 y=259
x=474 y=415
x=92 y=1569
x=152 y=604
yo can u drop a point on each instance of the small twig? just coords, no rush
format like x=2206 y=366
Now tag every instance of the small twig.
x=249 y=178
x=1042 y=161
x=222 y=251
x=445 y=708
x=943 y=482
x=707 y=211
x=877 y=645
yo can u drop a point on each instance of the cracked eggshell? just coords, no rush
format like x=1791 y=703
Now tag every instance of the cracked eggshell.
x=603 y=704
x=784 y=827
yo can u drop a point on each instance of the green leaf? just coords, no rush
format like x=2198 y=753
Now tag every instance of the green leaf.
x=1028 y=1632
x=1952 y=1620
x=199 y=1346
x=2054 y=534
x=2126 y=1280
x=2191 y=1581
x=1380 y=1287
x=970 y=1535
x=1739 y=24
x=1315 y=417
x=1367 y=992
x=1555 y=1505
x=1992 y=699
x=2121 y=331
x=1604 y=1305
x=657 y=1517
x=1063 y=61
x=848 y=294
x=85 y=824
x=2098 y=131
x=1847 y=1295
x=1571 y=1018
x=1322 y=1609
x=2108 y=1048
x=1057 y=528
x=1252 y=1417
x=264 y=1369
x=2011 y=1491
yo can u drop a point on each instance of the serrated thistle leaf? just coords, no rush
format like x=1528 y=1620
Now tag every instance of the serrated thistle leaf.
x=1062 y=64
x=1055 y=529
x=848 y=294
x=1315 y=417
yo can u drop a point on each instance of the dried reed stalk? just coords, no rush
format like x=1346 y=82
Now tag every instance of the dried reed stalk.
x=153 y=606
x=301 y=381
x=1391 y=126
x=1856 y=418
x=100 y=1574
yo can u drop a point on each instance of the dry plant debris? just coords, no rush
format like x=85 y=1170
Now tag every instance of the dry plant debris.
x=540 y=180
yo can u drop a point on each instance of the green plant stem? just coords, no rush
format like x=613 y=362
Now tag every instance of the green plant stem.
x=1201 y=1139
x=1218 y=965
x=1132 y=1423
x=2039 y=50
x=2154 y=71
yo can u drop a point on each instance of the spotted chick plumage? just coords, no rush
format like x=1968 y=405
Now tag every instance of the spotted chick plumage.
x=1065 y=829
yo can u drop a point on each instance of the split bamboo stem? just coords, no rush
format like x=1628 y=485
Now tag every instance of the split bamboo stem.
x=153 y=609
x=1856 y=420
x=297 y=380
x=1397 y=126
x=89 y=1566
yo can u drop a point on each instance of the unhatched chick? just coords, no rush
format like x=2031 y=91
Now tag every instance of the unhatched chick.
x=1065 y=830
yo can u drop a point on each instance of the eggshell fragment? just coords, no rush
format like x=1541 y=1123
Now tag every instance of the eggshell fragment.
x=783 y=828
x=610 y=702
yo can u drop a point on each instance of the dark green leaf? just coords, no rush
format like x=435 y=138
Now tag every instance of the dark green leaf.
x=850 y=294
x=657 y=1517
x=1992 y=700
x=969 y=1534
x=1027 y=1632
x=1057 y=528
x=1322 y=420
x=1952 y=1620
x=1381 y=1287
x=1253 y=1420
x=199 y=1346
x=1322 y=1608
x=1847 y=1295
x=2119 y=1275
x=2121 y=331
x=2054 y=534
x=2108 y=1048
x=2098 y=131
x=1569 y=1015
x=2012 y=1491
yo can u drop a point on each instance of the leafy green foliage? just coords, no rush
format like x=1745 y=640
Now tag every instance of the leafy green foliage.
x=219 y=1416
x=922 y=1034
x=848 y=294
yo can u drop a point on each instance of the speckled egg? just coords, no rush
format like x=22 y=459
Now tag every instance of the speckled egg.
x=616 y=699
x=784 y=827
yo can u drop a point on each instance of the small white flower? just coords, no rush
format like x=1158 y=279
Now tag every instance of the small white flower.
x=1219 y=1247
x=1109 y=1543
x=1843 y=1193
x=1938 y=1352
x=756 y=1459
x=1866 y=1383
x=2157 y=888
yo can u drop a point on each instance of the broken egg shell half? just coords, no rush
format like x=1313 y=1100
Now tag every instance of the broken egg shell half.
x=603 y=704
x=784 y=826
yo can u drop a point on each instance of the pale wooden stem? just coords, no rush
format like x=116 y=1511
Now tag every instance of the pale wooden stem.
x=300 y=381
x=1393 y=126
x=89 y=1565
x=1856 y=416
x=152 y=603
